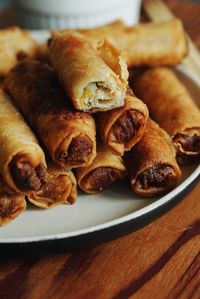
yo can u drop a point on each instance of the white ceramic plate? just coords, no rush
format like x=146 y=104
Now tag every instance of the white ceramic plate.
x=95 y=218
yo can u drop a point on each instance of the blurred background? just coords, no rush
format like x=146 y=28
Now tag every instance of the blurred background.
x=46 y=14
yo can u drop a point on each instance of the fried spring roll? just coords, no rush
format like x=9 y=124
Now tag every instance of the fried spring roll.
x=68 y=135
x=172 y=107
x=150 y=44
x=22 y=161
x=11 y=204
x=104 y=170
x=92 y=83
x=43 y=52
x=121 y=128
x=60 y=187
x=15 y=45
x=151 y=163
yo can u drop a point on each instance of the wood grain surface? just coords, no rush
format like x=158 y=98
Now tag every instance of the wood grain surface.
x=162 y=260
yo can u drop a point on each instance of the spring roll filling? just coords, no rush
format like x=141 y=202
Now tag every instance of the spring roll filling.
x=184 y=158
x=21 y=55
x=127 y=125
x=188 y=143
x=99 y=95
x=160 y=175
x=54 y=189
x=78 y=151
x=25 y=176
x=101 y=178
x=8 y=204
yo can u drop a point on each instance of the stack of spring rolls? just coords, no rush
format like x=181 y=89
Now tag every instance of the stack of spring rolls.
x=68 y=116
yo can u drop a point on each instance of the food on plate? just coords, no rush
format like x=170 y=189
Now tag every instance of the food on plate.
x=151 y=163
x=106 y=169
x=22 y=161
x=94 y=79
x=121 y=128
x=15 y=45
x=60 y=187
x=150 y=44
x=76 y=84
x=11 y=204
x=69 y=135
x=172 y=107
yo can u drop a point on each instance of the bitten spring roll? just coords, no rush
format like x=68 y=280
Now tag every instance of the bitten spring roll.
x=106 y=169
x=92 y=82
x=15 y=45
x=172 y=107
x=11 y=204
x=69 y=135
x=151 y=163
x=121 y=128
x=22 y=161
x=150 y=44
x=60 y=187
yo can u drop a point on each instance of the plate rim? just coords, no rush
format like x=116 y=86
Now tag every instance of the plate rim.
x=135 y=215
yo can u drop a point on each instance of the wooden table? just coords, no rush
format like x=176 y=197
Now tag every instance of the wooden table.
x=162 y=260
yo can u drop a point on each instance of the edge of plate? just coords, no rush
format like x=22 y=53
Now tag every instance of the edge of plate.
x=193 y=178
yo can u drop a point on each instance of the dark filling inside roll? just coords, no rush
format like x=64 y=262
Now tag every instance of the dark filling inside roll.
x=159 y=175
x=6 y=205
x=127 y=125
x=21 y=55
x=184 y=158
x=54 y=188
x=78 y=151
x=25 y=176
x=9 y=204
x=100 y=178
x=188 y=143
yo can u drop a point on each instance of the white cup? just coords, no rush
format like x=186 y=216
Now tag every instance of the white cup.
x=48 y=14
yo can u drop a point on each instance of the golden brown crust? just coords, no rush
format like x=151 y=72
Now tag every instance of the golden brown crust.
x=122 y=128
x=38 y=94
x=152 y=151
x=170 y=105
x=92 y=180
x=60 y=187
x=15 y=45
x=154 y=44
x=147 y=44
x=17 y=140
x=92 y=82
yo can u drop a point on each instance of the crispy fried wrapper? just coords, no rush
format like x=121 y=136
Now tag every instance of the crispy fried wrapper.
x=172 y=107
x=69 y=135
x=60 y=187
x=106 y=169
x=146 y=44
x=15 y=45
x=121 y=128
x=151 y=163
x=11 y=204
x=94 y=78
x=22 y=160
x=43 y=52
